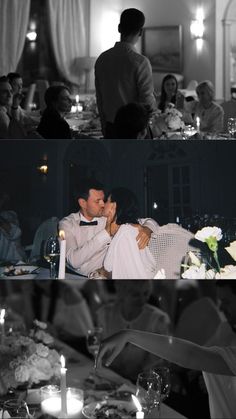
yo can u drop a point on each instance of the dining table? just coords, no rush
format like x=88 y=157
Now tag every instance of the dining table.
x=98 y=385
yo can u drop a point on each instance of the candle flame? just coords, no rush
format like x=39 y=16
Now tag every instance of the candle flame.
x=62 y=234
x=63 y=361
x=77 y=98
x=2 y=314
x=137 y=403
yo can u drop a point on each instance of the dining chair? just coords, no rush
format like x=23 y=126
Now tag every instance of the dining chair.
x=169 y=247
x=48 y=228
x=29 y=97
x=198 y=321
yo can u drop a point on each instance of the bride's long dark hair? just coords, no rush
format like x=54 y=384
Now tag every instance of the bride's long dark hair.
x=126 y=205
x=163 y=96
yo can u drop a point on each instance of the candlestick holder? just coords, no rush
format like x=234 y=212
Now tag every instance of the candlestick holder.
x=51 y=402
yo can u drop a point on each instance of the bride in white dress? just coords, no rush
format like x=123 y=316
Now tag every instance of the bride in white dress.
x=124 y=258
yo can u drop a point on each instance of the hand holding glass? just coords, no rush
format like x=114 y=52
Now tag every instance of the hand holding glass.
x=94 y=338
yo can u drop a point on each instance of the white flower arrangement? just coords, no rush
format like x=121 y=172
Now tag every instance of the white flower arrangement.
x=173 y=118
x=197 y=270
x=28 y=360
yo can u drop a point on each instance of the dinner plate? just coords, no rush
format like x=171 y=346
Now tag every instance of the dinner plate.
x=123 y=408
x=32 y=272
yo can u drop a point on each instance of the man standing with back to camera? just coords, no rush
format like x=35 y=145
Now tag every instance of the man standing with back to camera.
x=122 y=75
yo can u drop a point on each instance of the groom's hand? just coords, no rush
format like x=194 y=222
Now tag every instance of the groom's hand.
x=143 y=236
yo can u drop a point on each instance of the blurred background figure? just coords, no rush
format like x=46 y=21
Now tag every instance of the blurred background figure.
x=52 y=124
x=130 y=309
x=11 y=249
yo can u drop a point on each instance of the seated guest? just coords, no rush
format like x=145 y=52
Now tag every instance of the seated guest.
x=11 y=249
x=5 y=104
x=124 y=258
x=21 y=115
x=131 y=310
x=210 y=113
x=89 y=233
x=170 y=94
x=131 y=122
x=52 y=124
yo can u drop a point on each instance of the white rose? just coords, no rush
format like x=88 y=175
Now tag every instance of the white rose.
x=232 y=250
x=228 y=272
x=207 y=232
x=195 y=272
x=160 y=274
x=22 y=374
x=42 y=350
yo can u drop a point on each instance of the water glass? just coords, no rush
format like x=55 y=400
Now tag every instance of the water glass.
x=164 y=373
x=231 y=126
x=14 y=408
x=148 y=390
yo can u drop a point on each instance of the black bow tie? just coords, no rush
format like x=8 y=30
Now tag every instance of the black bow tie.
x=88 y=223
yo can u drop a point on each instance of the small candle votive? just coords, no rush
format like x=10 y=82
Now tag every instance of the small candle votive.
x=51 y=401
x=139 y=415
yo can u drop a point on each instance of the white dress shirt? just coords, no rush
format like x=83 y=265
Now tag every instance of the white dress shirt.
x=125 y=260
x=122 y=76
x=86 y=246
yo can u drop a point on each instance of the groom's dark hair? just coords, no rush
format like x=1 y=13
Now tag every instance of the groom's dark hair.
x=84 y=187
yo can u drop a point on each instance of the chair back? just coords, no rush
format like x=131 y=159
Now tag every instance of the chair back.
x=169 y=247
x=42 y=86
x=198 y=321
x=29 y=97
x=229 y=108
x=44 y=231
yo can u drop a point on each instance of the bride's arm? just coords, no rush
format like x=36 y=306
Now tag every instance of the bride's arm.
x=179 y=351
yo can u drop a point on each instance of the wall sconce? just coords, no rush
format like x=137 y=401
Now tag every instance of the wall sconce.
x=32 y=34
x=43 y=169
x=197 y=27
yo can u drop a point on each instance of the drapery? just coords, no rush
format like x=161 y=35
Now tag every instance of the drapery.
x=68 y=22
x=14 y=17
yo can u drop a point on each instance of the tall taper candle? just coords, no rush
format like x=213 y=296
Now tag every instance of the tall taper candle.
x=2 y=324
x=62 y=260
x=63 y=388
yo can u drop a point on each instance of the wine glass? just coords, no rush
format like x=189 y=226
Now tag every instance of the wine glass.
x=51 y=254
x=231 y=125
x=148 y=390
x=164 y=373
x=14 y=408
x=94 y=337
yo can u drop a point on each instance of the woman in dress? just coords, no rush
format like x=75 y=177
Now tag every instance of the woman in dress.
x=170 y=94
x=124 y=258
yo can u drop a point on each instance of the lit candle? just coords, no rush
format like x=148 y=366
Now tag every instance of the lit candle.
x=198 y=123
x=63 y=387
x=139 y=413
x=79 y=108
x=62 y=261
x=77 y=99
x=73 y=109
x=2 y=324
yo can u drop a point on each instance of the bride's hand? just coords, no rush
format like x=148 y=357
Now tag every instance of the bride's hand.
x=143 y=236
x=111 y=347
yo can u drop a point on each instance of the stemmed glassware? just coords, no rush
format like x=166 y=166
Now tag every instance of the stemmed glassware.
x=148 y=390
x=94 y=337
x=51 y=254
x=13 y=408
x=164 y=374
x=231 y=126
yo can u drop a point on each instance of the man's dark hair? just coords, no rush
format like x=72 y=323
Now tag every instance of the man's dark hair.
x=126 y=205
x=13 y=76
x=227 y=283
x=131 y=21
x=52 y=94
x=4 y=79
x=130 y=120
x=84 y=187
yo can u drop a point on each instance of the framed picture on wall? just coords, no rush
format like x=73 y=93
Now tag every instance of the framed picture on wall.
x=163 y=46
